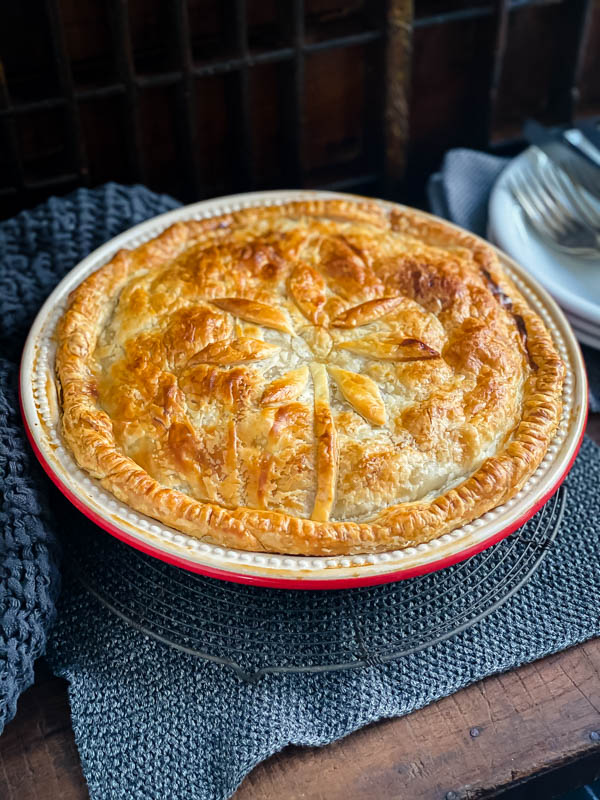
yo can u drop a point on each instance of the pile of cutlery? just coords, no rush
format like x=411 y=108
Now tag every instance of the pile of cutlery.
x=557 y=187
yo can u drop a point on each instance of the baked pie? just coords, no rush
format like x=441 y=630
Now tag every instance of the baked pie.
x=321 y=377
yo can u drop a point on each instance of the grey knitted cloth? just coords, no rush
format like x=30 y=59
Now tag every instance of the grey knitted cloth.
x=29 y=577
x=151 y=722
x=36 y=249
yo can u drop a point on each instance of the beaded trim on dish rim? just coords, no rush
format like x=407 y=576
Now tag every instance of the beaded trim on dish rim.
x=156 y=533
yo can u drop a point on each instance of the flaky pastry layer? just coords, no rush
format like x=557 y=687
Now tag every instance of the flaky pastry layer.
x=321 y=377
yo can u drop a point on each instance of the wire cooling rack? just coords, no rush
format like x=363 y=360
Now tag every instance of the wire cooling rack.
x=257 y=631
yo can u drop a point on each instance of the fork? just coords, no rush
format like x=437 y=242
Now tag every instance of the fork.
x=556 y=208
x=560 y=183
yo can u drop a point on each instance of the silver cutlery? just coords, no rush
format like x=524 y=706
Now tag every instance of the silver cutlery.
x=570 y=151
x=557 y=207
x=580 y=142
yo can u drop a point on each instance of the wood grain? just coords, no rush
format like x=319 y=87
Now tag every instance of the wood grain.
x=536 y=718
x=38 y=756
x=491 y=736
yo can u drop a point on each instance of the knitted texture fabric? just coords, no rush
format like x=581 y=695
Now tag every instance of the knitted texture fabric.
x=36 y=249
x=152 y=722
x=29 y=577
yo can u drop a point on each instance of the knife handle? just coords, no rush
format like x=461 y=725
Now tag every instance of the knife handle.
x=583 y=145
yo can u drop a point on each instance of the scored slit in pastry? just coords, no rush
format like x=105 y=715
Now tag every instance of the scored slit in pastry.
x=321 y=377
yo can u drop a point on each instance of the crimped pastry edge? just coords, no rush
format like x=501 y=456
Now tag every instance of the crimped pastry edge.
x=87 y=429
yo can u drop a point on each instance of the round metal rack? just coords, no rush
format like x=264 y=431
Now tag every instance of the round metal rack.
x=257 y=631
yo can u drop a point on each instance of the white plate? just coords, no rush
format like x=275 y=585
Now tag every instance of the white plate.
x=585 y=337
x=41 y=415
x=580 y=324
x=573 y=282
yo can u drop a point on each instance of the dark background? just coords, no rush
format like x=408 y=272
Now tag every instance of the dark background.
x=206 y=97
x=203 y=97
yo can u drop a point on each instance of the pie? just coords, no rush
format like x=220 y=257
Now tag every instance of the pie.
x=319 y=377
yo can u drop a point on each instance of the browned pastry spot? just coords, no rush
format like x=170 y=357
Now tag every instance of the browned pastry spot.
x=506 y=302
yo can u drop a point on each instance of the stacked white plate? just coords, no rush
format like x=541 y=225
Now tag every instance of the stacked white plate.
x=573 y=282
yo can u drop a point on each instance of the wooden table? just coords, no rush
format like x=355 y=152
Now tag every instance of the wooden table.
x=495 y=735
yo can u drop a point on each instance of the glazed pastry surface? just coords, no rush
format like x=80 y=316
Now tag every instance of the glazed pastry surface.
x=319 y=378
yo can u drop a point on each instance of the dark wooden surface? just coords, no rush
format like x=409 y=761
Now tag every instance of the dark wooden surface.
x=109 y=91
x=519 y=727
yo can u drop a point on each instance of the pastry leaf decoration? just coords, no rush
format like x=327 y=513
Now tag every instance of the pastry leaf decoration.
x=361 y=392
x=366 y=312
x=235 y=351
x=287 y=388
x=351 y=277
x=252 y=311
x=390 y=348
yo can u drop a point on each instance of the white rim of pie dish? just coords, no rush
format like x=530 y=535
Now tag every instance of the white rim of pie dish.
x=40 y=409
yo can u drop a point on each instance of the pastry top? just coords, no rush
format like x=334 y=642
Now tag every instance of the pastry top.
x=317 y=377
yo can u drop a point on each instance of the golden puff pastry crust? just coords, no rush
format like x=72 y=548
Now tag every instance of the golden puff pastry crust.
x=322 y=377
